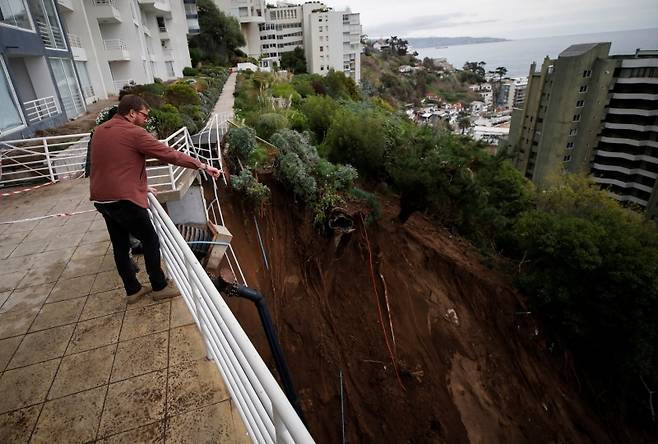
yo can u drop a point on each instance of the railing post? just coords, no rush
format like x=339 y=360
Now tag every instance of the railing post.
x=172 y=178
x=279 y=426
x=47 y=153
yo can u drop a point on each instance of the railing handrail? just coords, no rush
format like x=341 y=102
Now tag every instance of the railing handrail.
x=264 y=408
x=75 y=40
x=113 y=44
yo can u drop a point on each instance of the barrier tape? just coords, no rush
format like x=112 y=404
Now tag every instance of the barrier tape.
x=32 y=219
x=25 y=190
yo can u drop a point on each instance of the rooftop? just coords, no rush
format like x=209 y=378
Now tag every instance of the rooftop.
x=76 y=363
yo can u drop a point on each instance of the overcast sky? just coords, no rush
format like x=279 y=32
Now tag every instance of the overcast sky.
x=514 y=19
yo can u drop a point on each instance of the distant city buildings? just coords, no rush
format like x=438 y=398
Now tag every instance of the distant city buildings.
x=589 y=112
x=330 y=39
x=59 y=56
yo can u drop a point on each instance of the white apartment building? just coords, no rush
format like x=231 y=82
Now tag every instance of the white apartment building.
x=250 y=14
x=115 y=42
x=330 y=39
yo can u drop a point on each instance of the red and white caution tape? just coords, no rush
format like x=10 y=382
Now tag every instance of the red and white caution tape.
x=25 y=190
x=32 y=219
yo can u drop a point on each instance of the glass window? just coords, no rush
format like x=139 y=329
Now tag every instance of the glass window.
x=67 y=85
x=87 y=89
x=10 y=113
x=14 y=13
x=47 y=23
x=170 y=69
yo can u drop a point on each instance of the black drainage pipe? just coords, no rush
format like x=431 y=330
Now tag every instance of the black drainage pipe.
x=266 y=320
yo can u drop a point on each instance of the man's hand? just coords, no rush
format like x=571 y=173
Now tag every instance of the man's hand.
x=152 y=190
x=214 y=172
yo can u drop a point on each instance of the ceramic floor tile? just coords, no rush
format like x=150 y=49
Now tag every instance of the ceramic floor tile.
x=107 y=302
x=11 y=281
x=82 y=267
x=211 y=424
x=25 y=386
x=186 y=344
x=91 y=250
x=146 y=320
x=64 y=241
x=7 y=348
x=134 y=402
x=17 y=322
x=28 y=248
x=49 y=258
x=42 y=346
x=42 y=275
x=17 y=426
x=106 y=280
x=73 y=419
x=180 y=314
x=141 y=355
x=27 y=298
x=41 y=234
x=58 y=313
x=194 y=384
x=3 y=297
x=71 y=288
x=83 y=371
x=95 y=333
x=10 y=266
x=149 y=434
x=91 y=237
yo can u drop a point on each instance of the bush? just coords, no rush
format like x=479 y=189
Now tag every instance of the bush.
x=255 y=192
x=242 y=142
x=371 y=200
x=167 y=120
x=297 y=120
x=327 y=202
x=269 y=123
x=292 y=173
x=189 y=71
x=319 y=111
x=289 y=141
x=181 y=93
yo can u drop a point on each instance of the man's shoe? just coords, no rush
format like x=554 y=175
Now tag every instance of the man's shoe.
x=168 y=292
x=136 y=297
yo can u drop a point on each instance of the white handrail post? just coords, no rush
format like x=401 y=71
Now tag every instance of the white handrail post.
x=171 y=178
x=196 y=296
x=47 y=153
x=279 y=426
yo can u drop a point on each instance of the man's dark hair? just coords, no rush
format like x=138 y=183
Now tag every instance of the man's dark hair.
x=131 y=101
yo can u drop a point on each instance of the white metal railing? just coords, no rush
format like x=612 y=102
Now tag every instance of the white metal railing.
x=119 y=84
x=266 y=412
x=115 y=44
x=88 y=91
x=75 y=41
x=42 y=159
x=41 y=108
x=103 y=2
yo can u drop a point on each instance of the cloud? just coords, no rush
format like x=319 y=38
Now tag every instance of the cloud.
x=415 y=25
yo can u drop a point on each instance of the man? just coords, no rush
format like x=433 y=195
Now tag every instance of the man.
x=119 y=191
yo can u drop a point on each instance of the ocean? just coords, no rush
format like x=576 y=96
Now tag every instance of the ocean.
x=517 y=55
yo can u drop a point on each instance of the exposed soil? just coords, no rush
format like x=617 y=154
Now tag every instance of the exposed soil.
x=470 y=368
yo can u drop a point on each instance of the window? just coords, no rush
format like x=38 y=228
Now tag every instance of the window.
x=47 y=23
x=569 y=145
x=67 y=85
x=85 y=83
x=587 y=73
x=576 y=118
x=566 y=158
x=14 y=13
x=11 y=117
x=573 y=131
x=161 y=24
x=583 y=88
x=580 y=103
x=321 y=48
x=170 y=69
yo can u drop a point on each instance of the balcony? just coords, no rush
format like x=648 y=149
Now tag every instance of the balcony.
x=106 y=11
x=627 y=141
x=79 y=53
x=627 y=156
x=631 y=80
x=634 y=96
x=630 y=126
x=623 y=170
x=622 y=184
x=67 y=5
x=90 y=95
x=633 y=111
x=40 y=109
x=116 y=50
x=160 y=7
x=119 y=84
x=168 y=54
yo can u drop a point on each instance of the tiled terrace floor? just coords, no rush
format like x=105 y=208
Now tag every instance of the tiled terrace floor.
x=76 y=363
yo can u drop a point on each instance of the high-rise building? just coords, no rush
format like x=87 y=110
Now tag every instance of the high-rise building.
x=330 y=39
x=39 y=87
x=590 y=112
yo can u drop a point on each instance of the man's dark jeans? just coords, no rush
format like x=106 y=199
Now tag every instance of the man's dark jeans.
x=122 y=219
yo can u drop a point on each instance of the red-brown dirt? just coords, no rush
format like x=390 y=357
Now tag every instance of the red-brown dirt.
x=470 y=368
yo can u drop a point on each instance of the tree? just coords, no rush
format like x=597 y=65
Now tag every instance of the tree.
x=475 y=71
x=219 y=37
x=463 y=121
x=398 y=46
x=294 y=61
x=497 y=84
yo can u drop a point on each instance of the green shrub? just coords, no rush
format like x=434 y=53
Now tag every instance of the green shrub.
x=327 y=202
x=242 y=142
x=292 y=173
x=371 y=200
x=180 y=93
x=166 y=121
x=189 y=71
x=258 y=158
x=286 y=90
x=319 y=111
x=255 y=192
x=297 y=120
x=289 y=141
x=269 y=123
